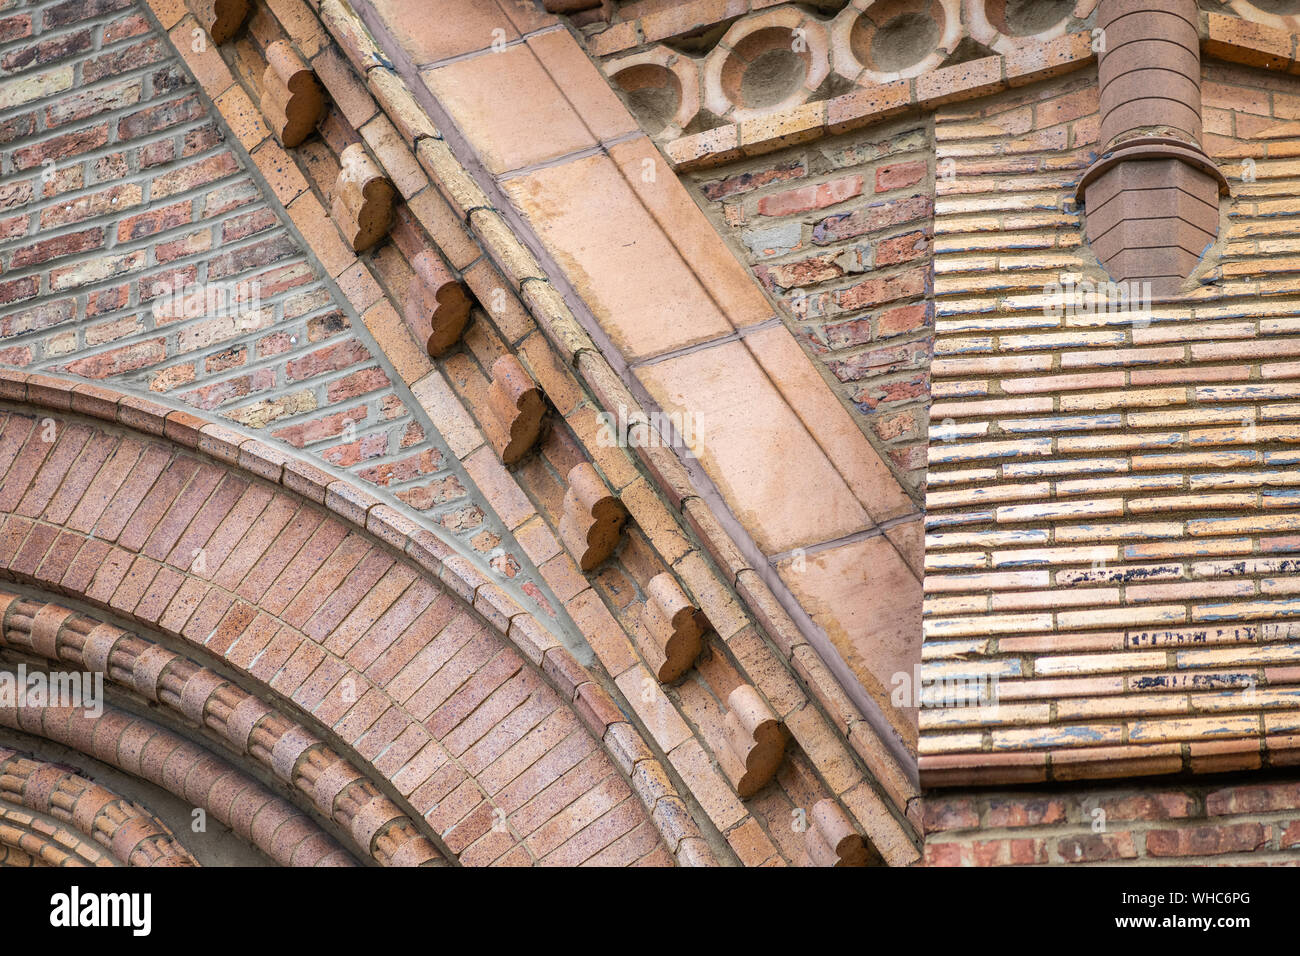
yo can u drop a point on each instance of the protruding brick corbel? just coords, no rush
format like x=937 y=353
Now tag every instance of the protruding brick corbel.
x=223 y=19
x=437 y=305
x=670 y=628
x=755 y=742
x=592 y=518
x=363 y=199
x=292 y=99
x=831 y=839
x=517 y=403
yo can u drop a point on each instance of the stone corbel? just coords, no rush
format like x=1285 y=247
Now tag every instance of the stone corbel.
x=292 y=99
x=363 y=199
x=223 y=19
x=437 y=305
x=755 y=742
x=670 y=629
x=518 y=406
x=592 y=518
x=831 y=839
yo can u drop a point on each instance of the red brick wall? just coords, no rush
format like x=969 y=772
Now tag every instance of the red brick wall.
x=1232 y=821
x=1111 y=527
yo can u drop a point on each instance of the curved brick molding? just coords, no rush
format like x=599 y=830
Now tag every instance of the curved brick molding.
x=248 y=725
x=189 y=771
x=127 y=832
x=303 y=576
x=1153 y=197
x=26 y=840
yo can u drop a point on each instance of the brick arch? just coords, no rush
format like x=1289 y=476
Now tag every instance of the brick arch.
x=28 y=841
x=89 y=811
x=464 y=706
x=14 y=856
x=150 y=752
x=254 y=731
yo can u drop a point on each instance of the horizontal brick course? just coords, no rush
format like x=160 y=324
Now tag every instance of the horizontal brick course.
x=1113 y=456
x=1235 y=822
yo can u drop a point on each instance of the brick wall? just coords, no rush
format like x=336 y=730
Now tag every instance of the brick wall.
x=1110 y=503
x=121 y=186
x=838 y=232
x=1234 y=821
x=354 y=328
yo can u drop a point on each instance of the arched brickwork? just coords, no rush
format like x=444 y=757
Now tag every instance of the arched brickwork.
x=258 y=729
x=342 y=331
x=26 y=840
x=127 y=831
x=292 y=583
x=152 y=753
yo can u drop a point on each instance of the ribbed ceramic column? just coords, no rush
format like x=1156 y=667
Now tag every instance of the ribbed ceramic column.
x=1152 y=198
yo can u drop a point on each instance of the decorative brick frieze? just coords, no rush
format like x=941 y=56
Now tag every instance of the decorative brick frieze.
x=756 y=741
x=592 y=517
x=292 y=100
x=671 y=628
x=362 y=205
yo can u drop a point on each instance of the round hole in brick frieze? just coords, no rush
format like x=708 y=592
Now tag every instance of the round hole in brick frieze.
x=884 y=40
x=654 y=93
x=765 y=63
x=1027 y=18
x=662 y=88
x=764 y=69
x=1003 y=25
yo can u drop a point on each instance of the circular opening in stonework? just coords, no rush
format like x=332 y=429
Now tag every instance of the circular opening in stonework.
x=654 y=93
x=1279 y=8
x=890 y=37
x=765 y=68
x=1027 y=18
